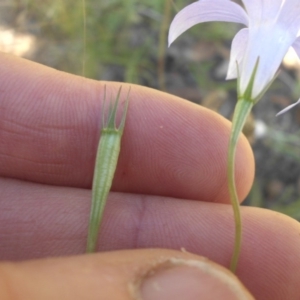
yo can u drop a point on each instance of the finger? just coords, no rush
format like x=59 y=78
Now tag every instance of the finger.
x=122 y=275
x=50 y=127
x=42 y=221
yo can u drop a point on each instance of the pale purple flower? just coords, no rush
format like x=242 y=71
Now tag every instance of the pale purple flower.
x=272 y=27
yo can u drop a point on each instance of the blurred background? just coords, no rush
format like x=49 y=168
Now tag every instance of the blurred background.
x=126 y=40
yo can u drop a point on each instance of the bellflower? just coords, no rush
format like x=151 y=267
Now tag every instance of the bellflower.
x=272 y=27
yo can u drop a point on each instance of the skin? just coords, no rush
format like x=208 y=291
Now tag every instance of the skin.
x=170 y=191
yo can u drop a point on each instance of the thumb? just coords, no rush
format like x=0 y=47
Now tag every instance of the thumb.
x=120 y=275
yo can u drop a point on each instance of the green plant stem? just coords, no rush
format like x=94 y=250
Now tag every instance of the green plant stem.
x=84 y=37
x=163 y=45
x=241 y=112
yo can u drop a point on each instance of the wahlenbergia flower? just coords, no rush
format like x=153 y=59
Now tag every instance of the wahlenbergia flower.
x=273 y=27
x=256 y=54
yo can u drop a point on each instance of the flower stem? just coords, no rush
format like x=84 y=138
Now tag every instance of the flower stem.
x=241 y=112
x=162 y=45
x=84 y=36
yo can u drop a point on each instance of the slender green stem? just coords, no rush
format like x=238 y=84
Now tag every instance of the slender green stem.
x=163 y=44
x=84 y=36
x=241 y=112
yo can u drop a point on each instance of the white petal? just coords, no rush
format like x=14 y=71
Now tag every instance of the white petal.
x=253 y=9
x=206 y=11
x=288 y=108
x=290 y=16
x=296 y=46
x=238 y=47
x=269 y=44
x=262 y=11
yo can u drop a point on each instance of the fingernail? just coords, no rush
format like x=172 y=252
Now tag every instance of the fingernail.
x=179 y=279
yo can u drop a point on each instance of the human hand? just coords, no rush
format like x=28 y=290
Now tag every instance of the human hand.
x=170 y=191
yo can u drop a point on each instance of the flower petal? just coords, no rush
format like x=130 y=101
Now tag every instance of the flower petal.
x=206 y=11
x=269 y=44
x=287 y=108
x=238 y=47
x=262 y=11
x=296 y=46
x=290 y=16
